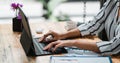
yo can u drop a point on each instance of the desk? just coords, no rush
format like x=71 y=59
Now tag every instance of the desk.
x=11 y=50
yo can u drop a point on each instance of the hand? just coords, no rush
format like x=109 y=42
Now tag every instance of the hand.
x=59 y=43
x=50 y=36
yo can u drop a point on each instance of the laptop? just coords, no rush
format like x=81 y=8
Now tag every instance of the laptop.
x=30 y=44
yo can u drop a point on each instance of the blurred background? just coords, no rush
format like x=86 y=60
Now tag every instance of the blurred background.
x=51 y=10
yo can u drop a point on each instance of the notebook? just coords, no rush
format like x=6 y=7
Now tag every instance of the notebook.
x=80 y=59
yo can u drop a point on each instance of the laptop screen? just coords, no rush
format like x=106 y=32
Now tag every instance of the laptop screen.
x=26 y=37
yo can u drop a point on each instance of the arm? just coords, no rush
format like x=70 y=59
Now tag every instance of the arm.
x=57 y=36
x=87 y=44
x=104 y=47
x=71 y=34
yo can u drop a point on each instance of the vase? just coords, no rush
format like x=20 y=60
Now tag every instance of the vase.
x=17 y=25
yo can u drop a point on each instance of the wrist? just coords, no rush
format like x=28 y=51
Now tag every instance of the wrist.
x=63 y=36
x=73 y=42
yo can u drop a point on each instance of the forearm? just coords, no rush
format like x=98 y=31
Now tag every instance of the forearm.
x=87 y=44
x=71 y=34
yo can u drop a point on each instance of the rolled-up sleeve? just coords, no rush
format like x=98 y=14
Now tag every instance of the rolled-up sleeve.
x=110 y=47
x=97 y=24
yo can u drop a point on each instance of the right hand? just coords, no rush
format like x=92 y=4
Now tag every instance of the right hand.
x=50 y=36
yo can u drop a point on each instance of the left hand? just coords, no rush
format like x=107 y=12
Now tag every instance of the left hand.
x=59 y=43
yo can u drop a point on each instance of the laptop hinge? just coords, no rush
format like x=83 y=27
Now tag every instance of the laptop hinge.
x=31 y=51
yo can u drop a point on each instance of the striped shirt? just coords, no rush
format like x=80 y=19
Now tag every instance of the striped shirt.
x=107 y=18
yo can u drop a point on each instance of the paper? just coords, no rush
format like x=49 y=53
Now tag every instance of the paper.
x=80 y=59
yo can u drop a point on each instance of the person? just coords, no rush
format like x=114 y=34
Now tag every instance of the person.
x=107 y=18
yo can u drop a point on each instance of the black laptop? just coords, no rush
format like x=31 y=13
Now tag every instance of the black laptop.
x=31 y=45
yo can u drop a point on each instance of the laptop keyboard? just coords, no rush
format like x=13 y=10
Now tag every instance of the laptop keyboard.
x=43 y=44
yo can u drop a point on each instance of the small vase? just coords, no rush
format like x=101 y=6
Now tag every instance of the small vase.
x=17 y=25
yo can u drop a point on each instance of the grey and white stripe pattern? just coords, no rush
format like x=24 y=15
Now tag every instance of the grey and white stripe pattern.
x=107 y=18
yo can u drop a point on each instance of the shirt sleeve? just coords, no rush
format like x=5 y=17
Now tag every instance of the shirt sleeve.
x=110 y=47
x=97 y=24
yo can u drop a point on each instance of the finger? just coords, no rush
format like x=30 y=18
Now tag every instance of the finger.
x=49 y=38
x=57 y=46
x=43 y=38
x=49 y=46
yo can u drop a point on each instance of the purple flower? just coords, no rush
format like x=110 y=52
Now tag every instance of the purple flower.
x=15 y=7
